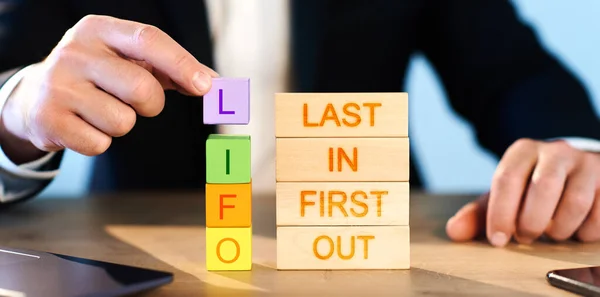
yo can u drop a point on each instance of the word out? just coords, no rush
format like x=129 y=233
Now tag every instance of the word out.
x=332 y=247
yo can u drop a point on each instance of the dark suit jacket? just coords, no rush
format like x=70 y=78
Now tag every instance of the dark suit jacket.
x=494 y=70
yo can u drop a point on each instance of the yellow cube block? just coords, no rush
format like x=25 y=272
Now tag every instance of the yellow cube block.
x=228 y=248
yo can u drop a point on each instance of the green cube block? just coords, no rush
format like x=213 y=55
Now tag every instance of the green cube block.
x=228 y=159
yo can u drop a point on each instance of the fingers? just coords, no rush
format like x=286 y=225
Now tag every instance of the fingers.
x=103 y=111
x=469 y=222
x=543 y=193
x=150 y=44
x=590 y=229
x=54 y=123
x=538 y=187
x=81 y=137
x=91 y=87
x=129 y=82
x=575 y=205
x=508 y=186
x=67 y=130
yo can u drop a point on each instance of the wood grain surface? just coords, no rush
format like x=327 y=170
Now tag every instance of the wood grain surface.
x=341 y=115
x=342 y=203
x=343 y=247
x=166 y=231
x=342 y=159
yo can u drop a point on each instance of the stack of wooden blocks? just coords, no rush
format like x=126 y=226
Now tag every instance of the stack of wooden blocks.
x=342 y=181
x=228 y=178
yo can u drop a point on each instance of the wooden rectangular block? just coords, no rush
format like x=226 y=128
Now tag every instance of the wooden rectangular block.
x=342 y=159
x=228 y=159
x=228 y=205
x=319 y=248
x=229 y=248
x=342 y=203
x=341 y=115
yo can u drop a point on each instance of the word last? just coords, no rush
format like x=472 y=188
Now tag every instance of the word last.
x=341 y=115
x=351 y=115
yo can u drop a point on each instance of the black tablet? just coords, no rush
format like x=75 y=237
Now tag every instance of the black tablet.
x=584 y=281
x=33 y=273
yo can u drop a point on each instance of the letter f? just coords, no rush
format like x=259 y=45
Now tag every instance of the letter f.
x=225 y=206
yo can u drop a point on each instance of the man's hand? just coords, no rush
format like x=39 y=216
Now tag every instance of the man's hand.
x=539 y=188
x=92 y=85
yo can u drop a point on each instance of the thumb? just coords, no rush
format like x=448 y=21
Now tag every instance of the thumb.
x=469 y=222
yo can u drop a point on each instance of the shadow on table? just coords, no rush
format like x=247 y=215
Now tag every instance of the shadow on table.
x=413 y=282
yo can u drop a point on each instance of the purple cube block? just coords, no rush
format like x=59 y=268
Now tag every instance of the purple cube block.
x=228 y=102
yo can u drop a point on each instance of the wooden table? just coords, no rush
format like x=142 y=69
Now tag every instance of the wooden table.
x=165 y=231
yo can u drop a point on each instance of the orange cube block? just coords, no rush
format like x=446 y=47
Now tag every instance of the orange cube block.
x=229 y=205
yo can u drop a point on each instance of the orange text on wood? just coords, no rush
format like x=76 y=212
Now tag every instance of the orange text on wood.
x=341 y=154
x=338 y=199
x=332 y=247
x=351 y=118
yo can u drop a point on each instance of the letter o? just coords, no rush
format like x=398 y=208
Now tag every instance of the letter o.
x=331 y=247
x=237 y=250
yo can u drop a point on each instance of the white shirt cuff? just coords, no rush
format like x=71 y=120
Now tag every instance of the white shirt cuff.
x=28 y=170
x=584 y=144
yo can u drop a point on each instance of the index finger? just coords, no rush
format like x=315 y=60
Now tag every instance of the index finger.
x=508 y=187
x=150 y=44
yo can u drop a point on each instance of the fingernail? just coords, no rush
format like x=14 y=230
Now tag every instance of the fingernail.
x=499 y=239
x=201 y=82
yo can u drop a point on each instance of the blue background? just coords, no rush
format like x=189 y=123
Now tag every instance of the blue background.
x=451 y=160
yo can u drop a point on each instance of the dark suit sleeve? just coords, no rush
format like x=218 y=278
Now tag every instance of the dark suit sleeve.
x=499 y=77
x=29 y=30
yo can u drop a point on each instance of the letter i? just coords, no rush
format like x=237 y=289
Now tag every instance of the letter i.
x=227 y=163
